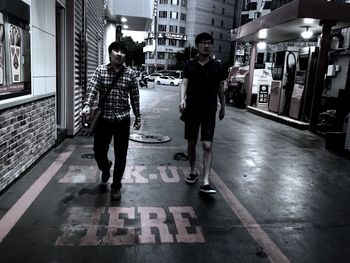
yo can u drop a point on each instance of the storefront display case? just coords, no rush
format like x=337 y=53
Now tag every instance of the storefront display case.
x=15 y=69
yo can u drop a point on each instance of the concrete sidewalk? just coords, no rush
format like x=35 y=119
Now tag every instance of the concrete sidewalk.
x=281 y=198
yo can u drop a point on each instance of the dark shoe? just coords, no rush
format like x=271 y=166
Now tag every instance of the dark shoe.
x=106 y=174
x=207 y=189
x=115 y=194
x=191 y=178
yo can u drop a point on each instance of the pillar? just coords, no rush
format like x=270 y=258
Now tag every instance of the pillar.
x=321 y=69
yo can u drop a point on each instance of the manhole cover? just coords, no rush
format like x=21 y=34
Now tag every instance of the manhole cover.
x=87 y=156
x=149 y=138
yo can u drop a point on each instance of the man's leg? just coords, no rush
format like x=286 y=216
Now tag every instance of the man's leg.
x=207 y=159
x=102 y=139
x=207 y=135
x=191 y=151
x=191 y=135
x=121 y=143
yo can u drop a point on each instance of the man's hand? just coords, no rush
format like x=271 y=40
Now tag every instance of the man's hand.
x=137 y=123
x=85 y=111
x=222 y=113
x=182 y=106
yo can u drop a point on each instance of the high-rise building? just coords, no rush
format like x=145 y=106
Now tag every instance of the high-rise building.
x=252 y=9
x=176 y=24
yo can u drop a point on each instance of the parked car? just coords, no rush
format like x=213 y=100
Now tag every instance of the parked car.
x=153 y=76
x=167 y=80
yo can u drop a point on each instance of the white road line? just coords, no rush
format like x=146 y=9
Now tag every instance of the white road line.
x=253 y=228
x=9 y=220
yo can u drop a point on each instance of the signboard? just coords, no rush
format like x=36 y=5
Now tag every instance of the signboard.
x=168 y=35
x=15 y=53
x=263 y=94
x=15 y=77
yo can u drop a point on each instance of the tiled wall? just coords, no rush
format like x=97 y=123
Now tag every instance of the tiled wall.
x=26 y=132
x=43 y=46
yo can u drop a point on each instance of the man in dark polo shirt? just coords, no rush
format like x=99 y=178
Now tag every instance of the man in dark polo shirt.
x=202 y=84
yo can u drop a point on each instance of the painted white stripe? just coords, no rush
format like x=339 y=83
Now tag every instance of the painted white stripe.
x=143 y=146
x=9 y=220
x=253 y=228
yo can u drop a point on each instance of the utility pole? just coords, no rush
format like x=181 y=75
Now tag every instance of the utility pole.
x=155 y=11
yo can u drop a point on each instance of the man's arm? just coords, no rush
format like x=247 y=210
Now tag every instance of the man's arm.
x=183 y=90
x=221 y=95
x=135 y=101
x=91 y=92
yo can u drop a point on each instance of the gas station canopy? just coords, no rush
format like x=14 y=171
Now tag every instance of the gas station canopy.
x=290 y=20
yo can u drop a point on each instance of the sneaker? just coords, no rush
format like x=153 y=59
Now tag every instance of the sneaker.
x=115 y=194
x=207 y=189
x=106 y=174
x=191 y=178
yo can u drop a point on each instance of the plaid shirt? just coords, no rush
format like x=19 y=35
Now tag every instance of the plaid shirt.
x=117 y=103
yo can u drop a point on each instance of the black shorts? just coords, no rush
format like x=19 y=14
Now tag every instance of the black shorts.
x=207 y=126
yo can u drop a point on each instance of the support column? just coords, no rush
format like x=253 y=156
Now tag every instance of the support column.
x=322 y=63
x=251 y=74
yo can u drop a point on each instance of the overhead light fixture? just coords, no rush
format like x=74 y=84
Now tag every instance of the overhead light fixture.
x=306 y=34
x=261 y=45
x=123 y=20
x=263 y=33
x=125 y=26
x=309 y=21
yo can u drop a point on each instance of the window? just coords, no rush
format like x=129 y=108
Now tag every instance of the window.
x=162 y=14
x=175 y=2
x=182 y=43
x=183 y=16
x=15 y=69
x=219 y=48
x=220 y=36
x=267 y=5
x=182 y=30
x=212 y=21
x=172 y=42
x=174 y=15
x=184 y=3
x=162 y=28
x=223 y=11
x=164 y=2
x=222 y=23
x=173 y=29
x=151 y=55
x=161 y=41
x=161 y=55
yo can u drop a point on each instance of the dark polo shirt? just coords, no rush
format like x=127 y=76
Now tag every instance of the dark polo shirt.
x=202 y=89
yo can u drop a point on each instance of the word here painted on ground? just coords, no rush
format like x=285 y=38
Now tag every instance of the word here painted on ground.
x=115 y=226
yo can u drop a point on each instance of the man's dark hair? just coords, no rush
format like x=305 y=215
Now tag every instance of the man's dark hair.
x=117 y=46
x=204 y=36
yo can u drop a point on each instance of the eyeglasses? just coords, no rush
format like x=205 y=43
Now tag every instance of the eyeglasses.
x=206 y=43
x=118 y=52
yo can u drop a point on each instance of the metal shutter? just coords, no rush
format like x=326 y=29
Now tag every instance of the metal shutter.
x=88 y=35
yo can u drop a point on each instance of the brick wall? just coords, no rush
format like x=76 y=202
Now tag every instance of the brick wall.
x=27 y=131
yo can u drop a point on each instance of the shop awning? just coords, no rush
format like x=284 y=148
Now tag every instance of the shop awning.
x=287 y=22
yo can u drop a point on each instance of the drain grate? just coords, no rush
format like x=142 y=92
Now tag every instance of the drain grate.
x=87 y=156
x=85 y=132
x=149 y=138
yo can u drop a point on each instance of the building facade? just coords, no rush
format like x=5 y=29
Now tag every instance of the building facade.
x=45 y=65
x=176 y=24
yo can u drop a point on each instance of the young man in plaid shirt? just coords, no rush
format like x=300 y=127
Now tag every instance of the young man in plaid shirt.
x=115 y=118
